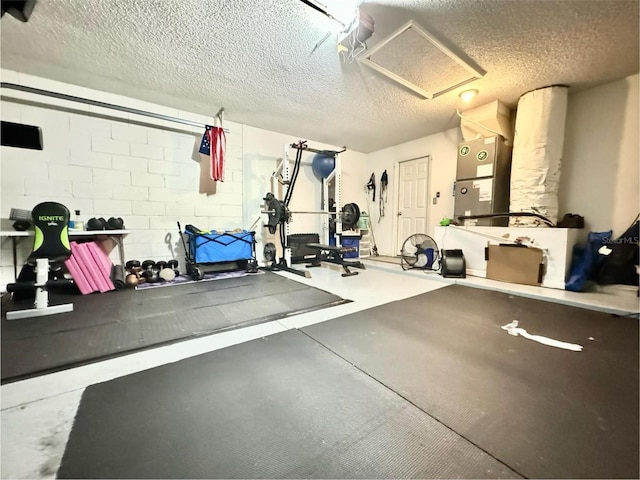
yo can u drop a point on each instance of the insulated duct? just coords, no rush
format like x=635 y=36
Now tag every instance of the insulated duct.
x=537 y=154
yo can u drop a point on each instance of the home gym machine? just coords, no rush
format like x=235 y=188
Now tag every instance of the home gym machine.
x=280 y=215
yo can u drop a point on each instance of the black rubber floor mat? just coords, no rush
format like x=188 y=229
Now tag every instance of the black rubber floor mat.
x=278 y=407
x=118 y=322
x=545 y=412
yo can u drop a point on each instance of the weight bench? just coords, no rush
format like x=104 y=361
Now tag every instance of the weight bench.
x=333 y=254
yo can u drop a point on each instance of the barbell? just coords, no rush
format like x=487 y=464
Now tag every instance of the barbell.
x=319 y=212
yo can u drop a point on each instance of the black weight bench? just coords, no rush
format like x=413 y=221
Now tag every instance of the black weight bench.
x=333 y=254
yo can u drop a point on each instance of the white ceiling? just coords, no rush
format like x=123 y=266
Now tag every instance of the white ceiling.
x=254 y=58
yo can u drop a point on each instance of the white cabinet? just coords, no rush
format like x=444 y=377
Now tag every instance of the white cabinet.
x=557 y=244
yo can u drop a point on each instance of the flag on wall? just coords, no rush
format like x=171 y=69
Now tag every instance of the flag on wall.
x=205 y=144
x=214 y=144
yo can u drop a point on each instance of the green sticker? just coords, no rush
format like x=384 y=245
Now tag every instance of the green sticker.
x=464 y=150
x=482 y=155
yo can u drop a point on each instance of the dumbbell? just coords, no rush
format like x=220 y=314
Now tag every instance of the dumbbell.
x=148 y=265
x=131 y=264
x=149 y=271
x=173 y=264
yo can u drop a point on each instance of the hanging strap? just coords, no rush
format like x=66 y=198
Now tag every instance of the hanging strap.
x=384 y=181
x=371 y=185
x=218 y=141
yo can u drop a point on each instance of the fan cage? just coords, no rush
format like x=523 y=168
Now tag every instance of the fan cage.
x=420 y=251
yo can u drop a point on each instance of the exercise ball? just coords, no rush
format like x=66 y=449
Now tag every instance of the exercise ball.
x=323 y=164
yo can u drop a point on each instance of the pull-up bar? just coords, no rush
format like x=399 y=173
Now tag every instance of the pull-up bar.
x=315 y=150
x=111 y=106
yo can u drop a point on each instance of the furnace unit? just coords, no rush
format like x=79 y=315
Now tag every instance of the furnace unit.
x=482 y=180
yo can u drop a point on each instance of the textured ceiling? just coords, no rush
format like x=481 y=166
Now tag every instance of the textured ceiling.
x=255 y=58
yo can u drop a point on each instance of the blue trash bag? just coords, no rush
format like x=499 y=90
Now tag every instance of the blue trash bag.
x=584 y=260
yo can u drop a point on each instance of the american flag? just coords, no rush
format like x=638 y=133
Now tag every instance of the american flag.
x=205 y=144
x=216 y=136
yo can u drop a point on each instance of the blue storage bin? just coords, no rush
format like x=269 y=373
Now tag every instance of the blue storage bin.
x=351 y=242
x=222 y=247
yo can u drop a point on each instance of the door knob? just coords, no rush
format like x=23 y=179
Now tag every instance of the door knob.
x=399 y=213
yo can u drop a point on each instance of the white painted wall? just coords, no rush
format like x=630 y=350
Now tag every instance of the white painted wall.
x=263 y=150
x=442 y=148
x=144 y=170
x=599 y=177
x=150 y=173
x=600 y=168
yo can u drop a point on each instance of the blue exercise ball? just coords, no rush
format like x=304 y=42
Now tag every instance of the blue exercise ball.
x=323 y=164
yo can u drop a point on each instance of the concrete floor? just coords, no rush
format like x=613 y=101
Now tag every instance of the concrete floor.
x=37 y=414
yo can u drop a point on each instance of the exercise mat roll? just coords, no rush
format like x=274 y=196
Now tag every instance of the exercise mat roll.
x=117 y=277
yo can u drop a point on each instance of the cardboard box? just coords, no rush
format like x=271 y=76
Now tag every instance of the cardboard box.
x=515 y=264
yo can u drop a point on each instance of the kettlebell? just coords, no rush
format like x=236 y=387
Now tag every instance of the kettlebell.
x=149 y=271
x=97 y=224
x=115 y=223
x=132 y=280
x=151 y=276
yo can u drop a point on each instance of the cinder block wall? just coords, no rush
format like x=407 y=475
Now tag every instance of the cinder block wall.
x=144 y=170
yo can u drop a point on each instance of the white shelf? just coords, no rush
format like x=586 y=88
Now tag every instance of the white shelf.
x=72 y=233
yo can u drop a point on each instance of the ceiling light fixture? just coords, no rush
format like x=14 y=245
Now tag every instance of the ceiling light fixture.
x=468 y=95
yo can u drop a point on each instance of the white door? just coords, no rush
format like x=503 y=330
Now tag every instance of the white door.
x=412 y=199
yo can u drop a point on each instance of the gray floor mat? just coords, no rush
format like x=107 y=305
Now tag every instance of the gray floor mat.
x=110 y=324
x=544 y=411
x=278 y=407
